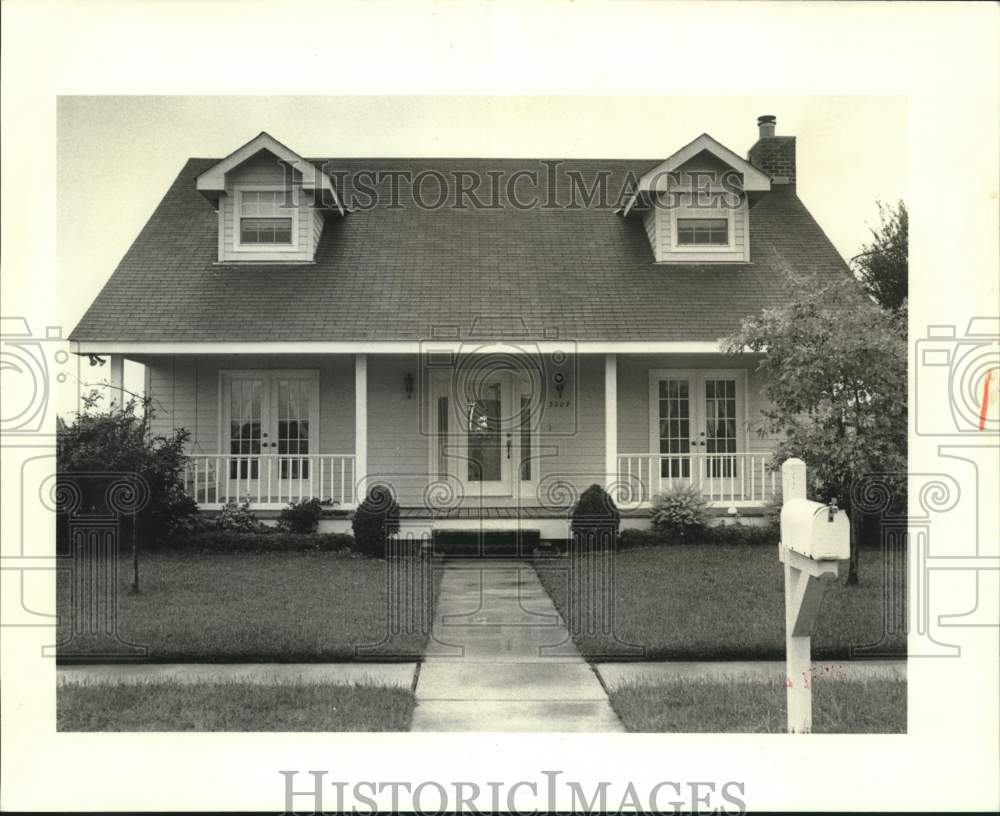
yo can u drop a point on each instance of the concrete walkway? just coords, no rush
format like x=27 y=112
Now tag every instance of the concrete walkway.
x=501 y=659
x=398 y=675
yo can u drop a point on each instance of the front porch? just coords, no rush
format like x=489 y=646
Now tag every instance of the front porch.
x=493 y=434
x=270 y=482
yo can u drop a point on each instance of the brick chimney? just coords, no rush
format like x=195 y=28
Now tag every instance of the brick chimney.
x=775 y=155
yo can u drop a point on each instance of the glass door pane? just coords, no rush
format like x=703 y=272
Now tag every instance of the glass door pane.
x=246 y=410
x=675 y=427
x=292 y=431
x=720 y=426
x=485 y=463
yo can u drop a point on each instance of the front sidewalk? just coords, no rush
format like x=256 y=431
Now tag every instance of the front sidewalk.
x=500 y=658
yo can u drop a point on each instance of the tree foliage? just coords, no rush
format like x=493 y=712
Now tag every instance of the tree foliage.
x=118 y=442
x=882 y=265
x=834 y=371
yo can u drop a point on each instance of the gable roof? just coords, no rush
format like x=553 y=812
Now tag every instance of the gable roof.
x=754 y=180
x=211 y=182
x=400 y=273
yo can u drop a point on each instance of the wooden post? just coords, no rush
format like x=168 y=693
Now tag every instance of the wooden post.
x=805 y=582
x=611 y=420
x=116 y=378
x=361 y=426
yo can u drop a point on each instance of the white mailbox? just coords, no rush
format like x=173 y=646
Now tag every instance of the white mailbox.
x=815 y=530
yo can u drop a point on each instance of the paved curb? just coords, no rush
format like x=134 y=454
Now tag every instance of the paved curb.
x=614 y=675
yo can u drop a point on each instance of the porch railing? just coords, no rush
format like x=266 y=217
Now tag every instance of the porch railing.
x=270 y=480
x=724 y=479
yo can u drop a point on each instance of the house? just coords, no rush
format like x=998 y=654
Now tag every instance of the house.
x=487 y=337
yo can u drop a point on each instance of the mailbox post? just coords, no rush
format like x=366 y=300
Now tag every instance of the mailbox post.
x=814 y=537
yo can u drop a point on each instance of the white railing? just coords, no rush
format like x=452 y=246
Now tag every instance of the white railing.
x=725 y=479
x=270 y=480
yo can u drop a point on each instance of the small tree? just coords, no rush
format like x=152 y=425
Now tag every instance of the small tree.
x=834 y=372
x=882 y=265
x=118 y=441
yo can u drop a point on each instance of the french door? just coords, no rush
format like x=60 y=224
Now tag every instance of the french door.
x=483 y=430
x=697 y=412
x=270 y=428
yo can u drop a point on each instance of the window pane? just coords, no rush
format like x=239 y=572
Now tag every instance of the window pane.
x=265 y=230
x=702 y=231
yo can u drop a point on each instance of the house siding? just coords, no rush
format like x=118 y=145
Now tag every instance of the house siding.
x=633 y=399
x=185 y=392
x=264 y=169
x=659 y=224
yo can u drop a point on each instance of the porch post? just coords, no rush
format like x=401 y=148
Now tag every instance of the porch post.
x=361 y=425
x=611 y=419
x=116 y=377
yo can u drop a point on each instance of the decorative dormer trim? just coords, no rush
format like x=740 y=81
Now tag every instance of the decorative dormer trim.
x=213 y=183
x=657 y=181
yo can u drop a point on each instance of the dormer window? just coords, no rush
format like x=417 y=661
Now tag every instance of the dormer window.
x=264 y=218
x=271 y=204
x=703 y=231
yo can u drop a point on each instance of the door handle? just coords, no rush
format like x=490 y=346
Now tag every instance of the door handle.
x=509 y=443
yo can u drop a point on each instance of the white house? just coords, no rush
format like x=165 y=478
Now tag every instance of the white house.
x=488 y=337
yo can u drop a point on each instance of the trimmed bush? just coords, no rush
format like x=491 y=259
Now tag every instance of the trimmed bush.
x=595 y=508
x=631 y=539
x=374 y=521
x=680 y=513
x=237 y=518
x=302 y=516
x=273 y=540
x=750 y=535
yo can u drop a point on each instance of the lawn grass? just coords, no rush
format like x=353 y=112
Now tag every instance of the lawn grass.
x=876 y=706
x=232 y=706
x=261 y=606
x=711 y=602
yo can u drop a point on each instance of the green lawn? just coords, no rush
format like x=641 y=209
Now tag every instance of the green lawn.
x=295 y=606
x=700 y=602
x=685 y=706
x=232 y=707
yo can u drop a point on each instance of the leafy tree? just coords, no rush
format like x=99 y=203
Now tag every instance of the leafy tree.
x=882 y=266
x=834 y=370
x=97 y=447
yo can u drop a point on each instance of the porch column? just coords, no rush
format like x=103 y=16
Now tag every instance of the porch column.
x=116 y=378
x=611 y=419
x=361 y=425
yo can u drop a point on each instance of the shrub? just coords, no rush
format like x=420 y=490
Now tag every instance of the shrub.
x=680 y=513
x=266 y=539
x=595 y=508
x=374 y=521
x=235 y=517
x=98 y=448
x=630 y=539
x=302 y=516
x=750 y=535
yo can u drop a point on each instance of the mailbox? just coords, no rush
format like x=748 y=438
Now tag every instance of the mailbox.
x=815 y=530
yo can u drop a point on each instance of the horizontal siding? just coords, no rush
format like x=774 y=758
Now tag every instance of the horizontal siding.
x=263 y=169
x=185 y=394
x=633 y=398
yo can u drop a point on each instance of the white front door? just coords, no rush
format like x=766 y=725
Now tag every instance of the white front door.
x=697 y=422
x=270 y=431
x=484 y=434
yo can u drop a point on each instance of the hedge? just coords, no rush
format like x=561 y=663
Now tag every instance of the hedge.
x=277 y=541
x=729 y=534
